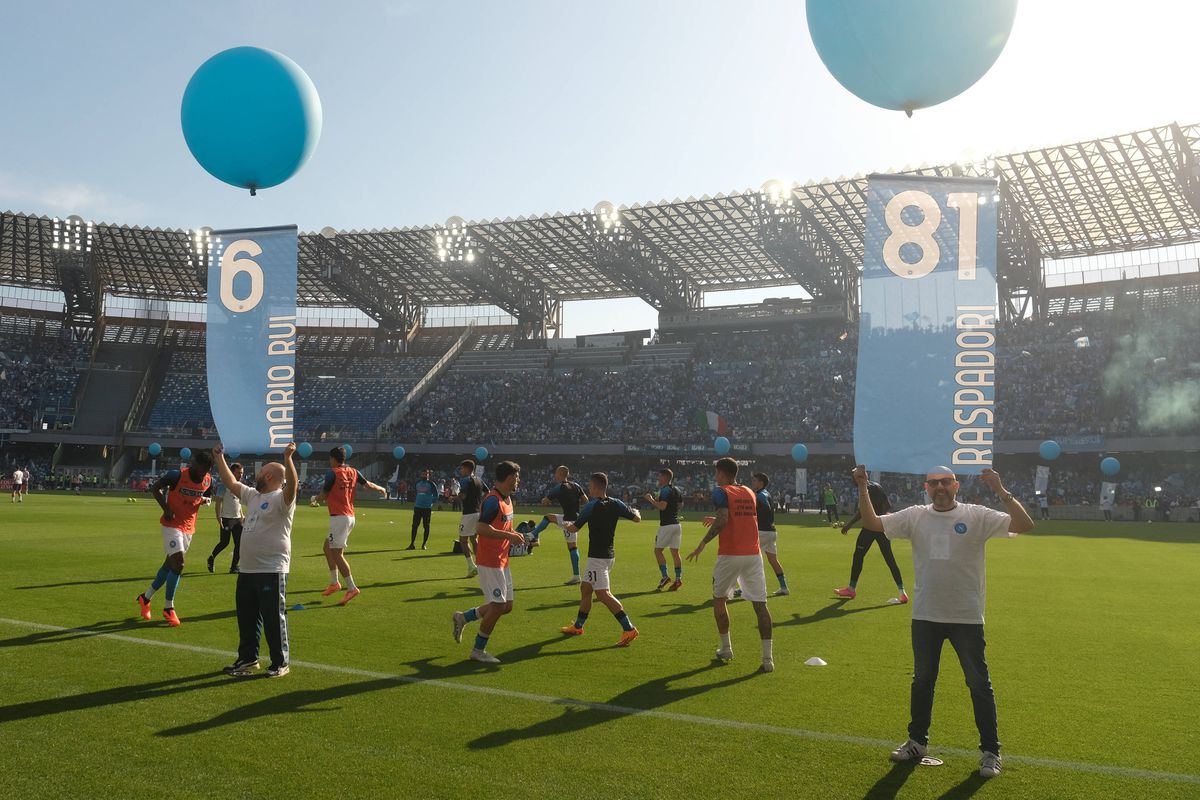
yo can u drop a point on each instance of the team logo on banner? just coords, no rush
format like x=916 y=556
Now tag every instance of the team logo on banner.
x=925 y=393
x=251 y=348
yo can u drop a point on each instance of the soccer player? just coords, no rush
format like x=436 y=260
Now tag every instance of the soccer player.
x=470 y=494
x=948 y=538
x=739 y=562
x=570 y=497
x=28 y=476
x=229 y=517
x=18 y=477
x=496 y=535
x=767 y=535
x=261 y=597
x=423 y=508
x=881 y=504
x=338 y=489
x=829 y=498
x=670 y=532
x=601 y=515
x=180 y=494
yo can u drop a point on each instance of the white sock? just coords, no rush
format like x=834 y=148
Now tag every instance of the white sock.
x=148 y=593
x=725 y=645
x=333 y=578
x=768 y=650
x=350 y=582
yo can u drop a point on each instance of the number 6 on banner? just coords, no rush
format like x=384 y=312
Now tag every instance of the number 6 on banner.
x=922 y=234
x=231 y=266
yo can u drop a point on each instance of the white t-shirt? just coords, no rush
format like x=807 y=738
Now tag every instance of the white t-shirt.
x=947 y=551
x=18 y=477
x=267 y=532
x=231 y=504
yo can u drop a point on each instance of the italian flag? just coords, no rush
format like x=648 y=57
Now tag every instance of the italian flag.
x=712 y=422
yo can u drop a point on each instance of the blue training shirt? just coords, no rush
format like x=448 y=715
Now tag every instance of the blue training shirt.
x=601 y=517
x=426 y=493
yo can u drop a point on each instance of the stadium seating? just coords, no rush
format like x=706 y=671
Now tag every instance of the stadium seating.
x=36 y=371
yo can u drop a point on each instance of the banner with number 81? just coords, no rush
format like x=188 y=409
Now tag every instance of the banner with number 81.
x=925 y=392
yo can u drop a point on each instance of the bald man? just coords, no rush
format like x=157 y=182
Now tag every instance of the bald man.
x=947 y=545
x=261 y=597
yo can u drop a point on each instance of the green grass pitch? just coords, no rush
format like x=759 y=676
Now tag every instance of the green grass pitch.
x=1092 y=640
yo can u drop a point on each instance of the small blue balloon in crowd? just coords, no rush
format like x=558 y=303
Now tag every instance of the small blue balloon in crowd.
x=721 y=446
x=481 y=453
x=155 y=449
x=349 y=450
x=1110 y=466
x=909 y=54
x=185 y=453
x=1049 y=450
x=398 y=452
x=304 y=449
x=799 y=453
x=251 y=117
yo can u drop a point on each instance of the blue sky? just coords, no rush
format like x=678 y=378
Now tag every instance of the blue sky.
x=493 y=109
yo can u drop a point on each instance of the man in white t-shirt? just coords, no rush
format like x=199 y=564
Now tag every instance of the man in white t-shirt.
x=948 y=538
x=266 y=555
x=18 y=477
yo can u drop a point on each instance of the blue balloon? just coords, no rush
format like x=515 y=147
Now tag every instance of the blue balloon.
x=233 y=455
x=304 y=449
x=349 y=450
x=721 y=445
x=251 y=117
x=185 y=453
x=1110 y=466
x=909 y=54
x=799 y=453
x=481 y=453
x=155 y=449
x=1049 y=450
x=398 y=452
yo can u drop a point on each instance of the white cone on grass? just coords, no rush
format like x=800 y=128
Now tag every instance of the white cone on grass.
x=816 y=661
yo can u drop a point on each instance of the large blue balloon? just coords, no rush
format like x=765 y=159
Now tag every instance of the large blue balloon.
x=1049 y=450
x=304 y=449
x=251 y=117
x=721 y=445
x=799 y=453
x=155 y=449
x=349 y=450
x=398 y=452
x=481 y=453
x=1110 y=466
x=185 y=453
x=909 y=54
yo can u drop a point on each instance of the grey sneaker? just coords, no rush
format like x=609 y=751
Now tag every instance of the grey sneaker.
x=783 y=591
x=484 y=656
x=909 y=751
x=574 y=581
x=724 y=655
x=240 y=668
x=768 y=665
x=989 y=765
x=460 y=622
x=278 y=672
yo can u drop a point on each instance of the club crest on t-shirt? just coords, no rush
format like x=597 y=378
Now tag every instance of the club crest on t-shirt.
x=960 y=528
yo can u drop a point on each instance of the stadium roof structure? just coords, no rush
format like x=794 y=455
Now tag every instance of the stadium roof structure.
x=1125 y=192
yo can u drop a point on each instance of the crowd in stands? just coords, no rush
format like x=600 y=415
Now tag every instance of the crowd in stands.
x=36 y=373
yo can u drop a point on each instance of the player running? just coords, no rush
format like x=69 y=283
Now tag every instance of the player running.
x=180 y=493
x=496 y=535
x=570 y=497
x=601 y=515
x=229 y=517
x=670 y=532
x=767 y=535
x=738 y=560
x=470 y=494
x=423 y=508
x=867 y=537
x=338 y=490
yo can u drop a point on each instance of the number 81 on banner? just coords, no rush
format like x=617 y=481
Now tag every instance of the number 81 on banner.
x=922 y=234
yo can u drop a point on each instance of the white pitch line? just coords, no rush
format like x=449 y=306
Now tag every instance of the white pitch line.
x=715 y=722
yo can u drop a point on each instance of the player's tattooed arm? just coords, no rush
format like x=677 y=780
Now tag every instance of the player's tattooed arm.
x=714 y=530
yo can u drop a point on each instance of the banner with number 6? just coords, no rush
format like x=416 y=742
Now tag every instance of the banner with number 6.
x=925 y=392
x=251 y=347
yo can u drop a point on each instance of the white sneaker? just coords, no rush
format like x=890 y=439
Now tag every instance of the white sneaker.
x=724 y=655
x=909 y=751
x=460 y=622
x=472 y=571
x=574 y=581
x=783 y=590
x=484 y=656
x=989 y=765
x=768 y=665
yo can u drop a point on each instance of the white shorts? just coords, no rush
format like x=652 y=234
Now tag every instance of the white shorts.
x=496 y=584
x=557 y=519
x=175 y=540
x=744 y=572
x=596 y=572
x=466 y=525
x=766 y=541
x=669 y=536
x=339 y=531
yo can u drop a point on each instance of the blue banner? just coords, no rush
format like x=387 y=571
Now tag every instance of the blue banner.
x=252 y=337
x=925 y=393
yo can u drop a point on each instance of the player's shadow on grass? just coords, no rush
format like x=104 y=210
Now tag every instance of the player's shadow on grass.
x=445 y=596
x=107 y=697
x=834 y=610
x=681 y=609
x=65 y=584
x=101 y=628
x=889 y=786
x=965 y=789
x=357 y=552
x=574 y=601
x=377 y=585
x=580 y=714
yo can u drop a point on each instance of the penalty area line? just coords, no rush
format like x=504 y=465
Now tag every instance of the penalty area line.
x=616 y=710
